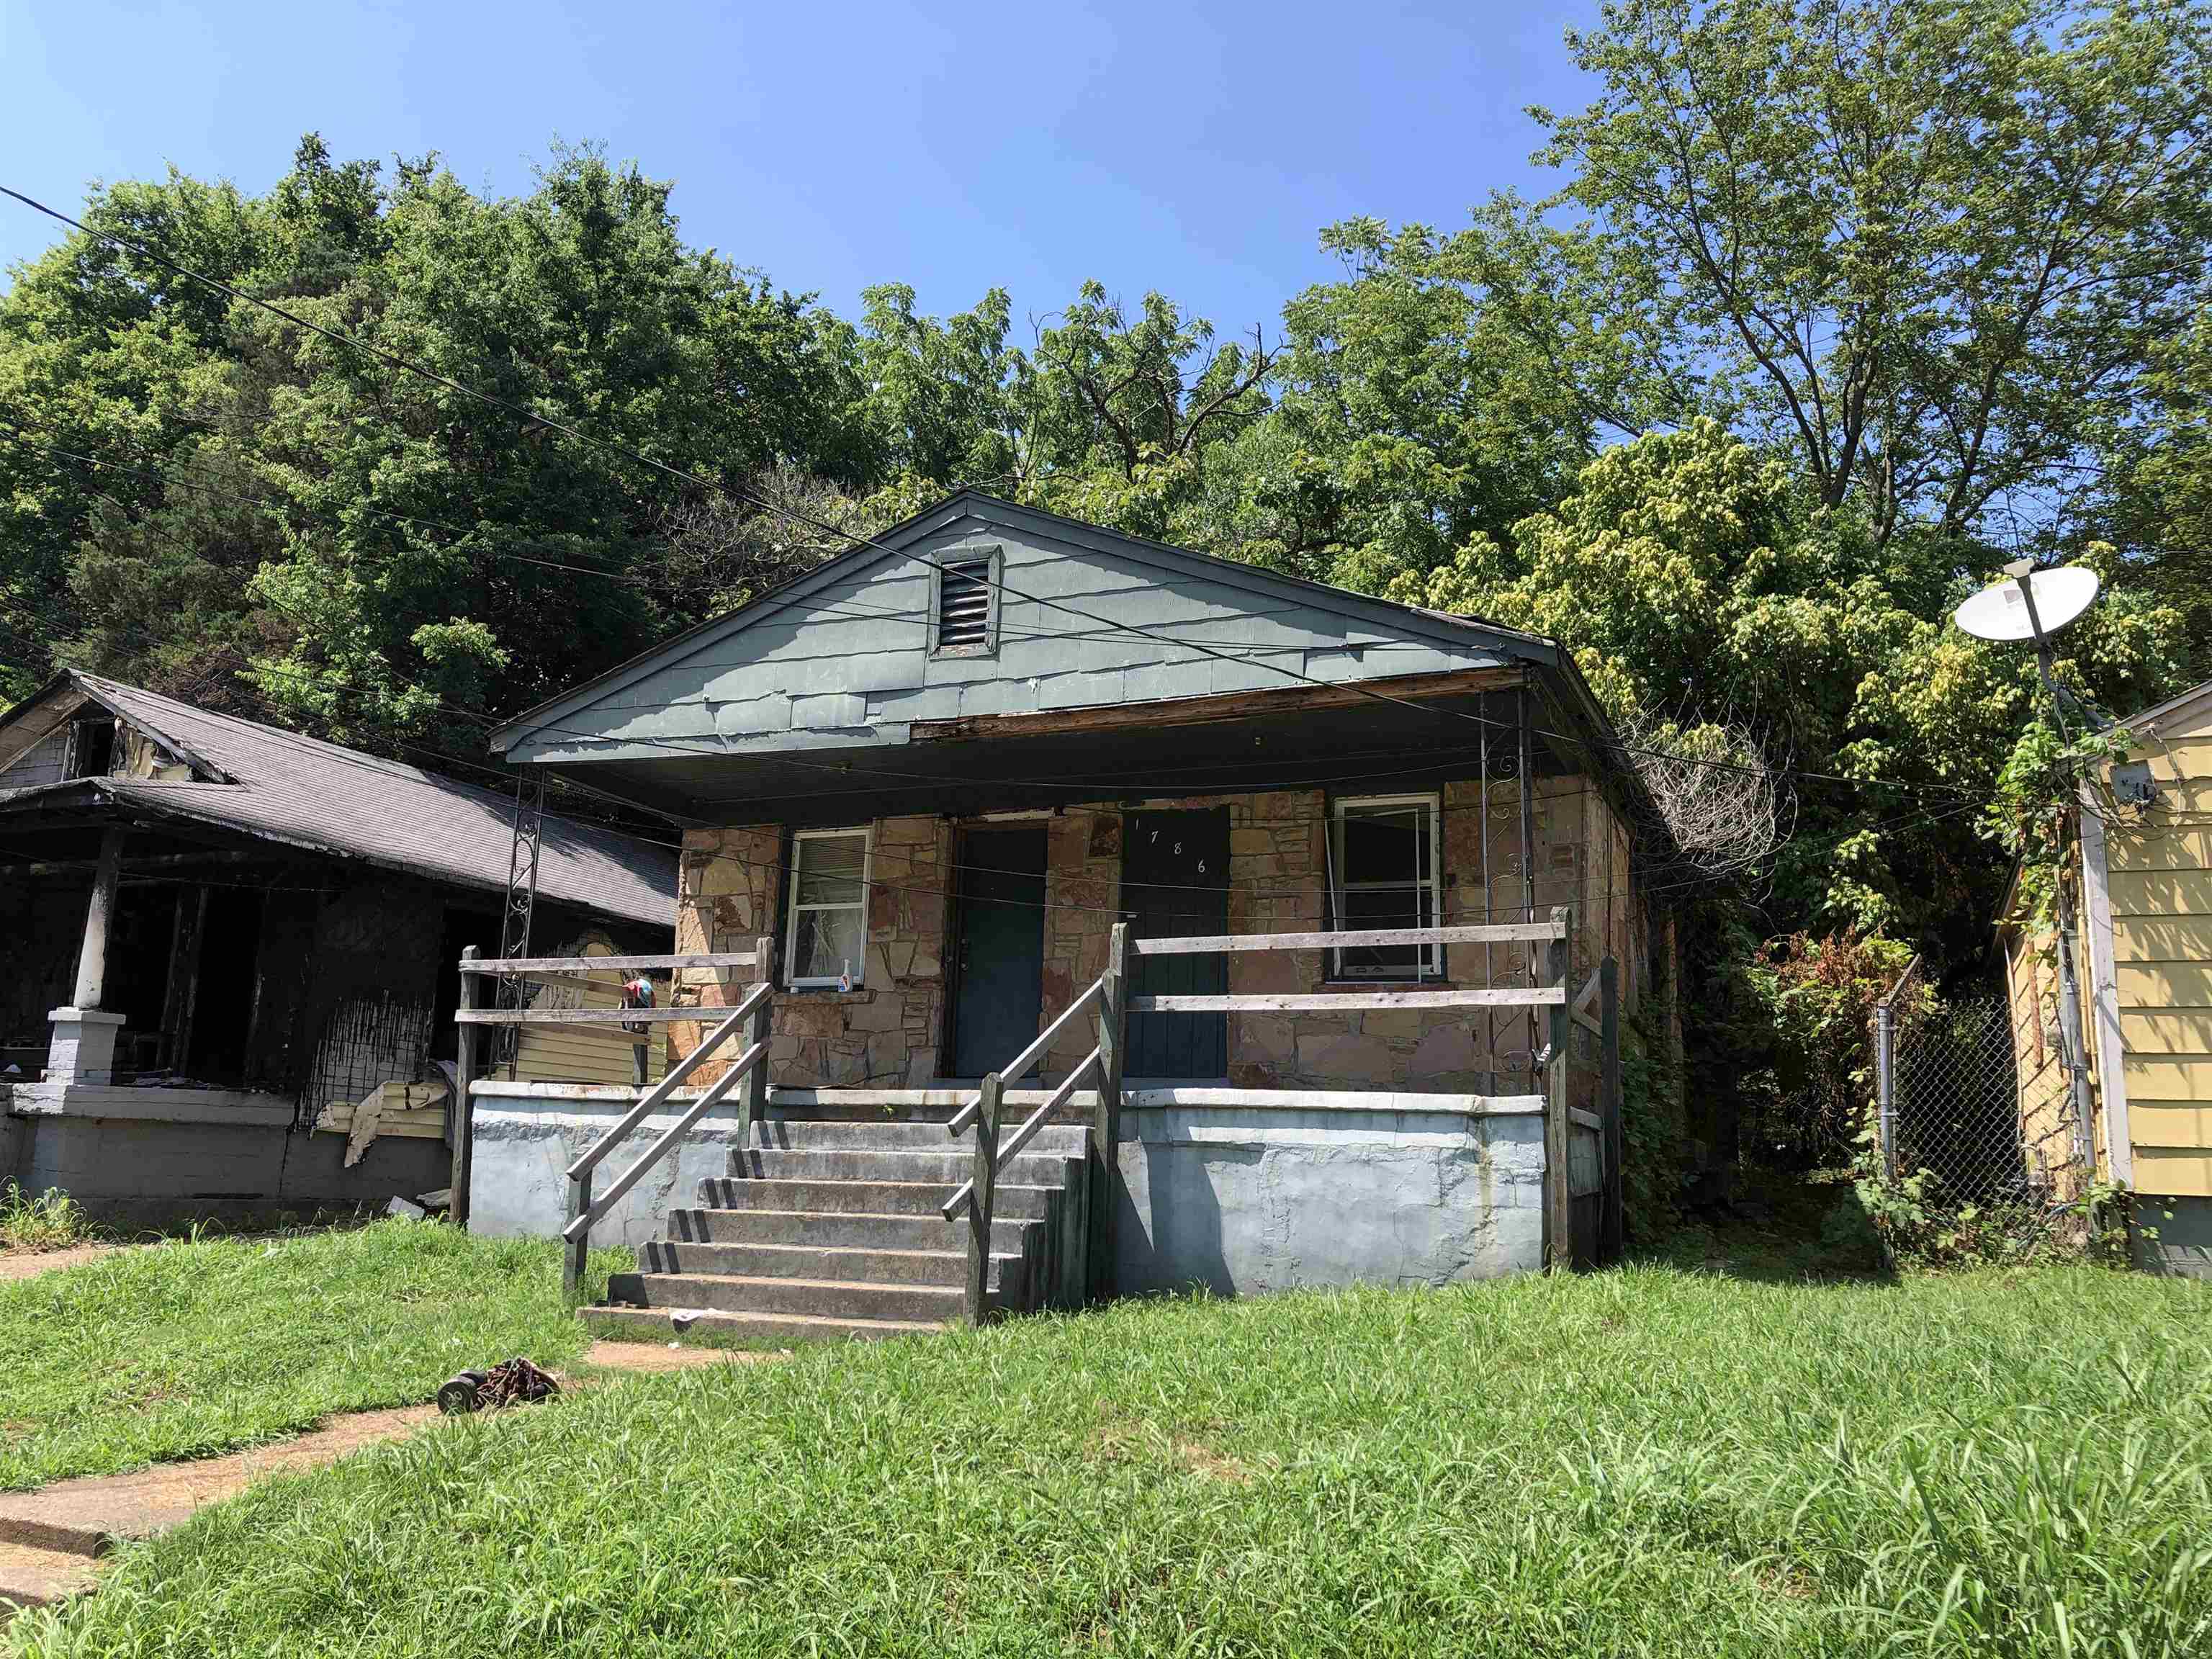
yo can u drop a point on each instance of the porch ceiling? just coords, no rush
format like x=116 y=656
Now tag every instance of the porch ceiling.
x=1363 y=747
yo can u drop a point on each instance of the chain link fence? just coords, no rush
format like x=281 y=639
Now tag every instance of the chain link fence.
x=1955 y=1123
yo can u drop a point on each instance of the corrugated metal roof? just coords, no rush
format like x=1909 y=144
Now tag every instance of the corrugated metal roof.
x=309 y=792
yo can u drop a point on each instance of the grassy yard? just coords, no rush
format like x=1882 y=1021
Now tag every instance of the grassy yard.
x=194 y=1347
x=1649 y=1461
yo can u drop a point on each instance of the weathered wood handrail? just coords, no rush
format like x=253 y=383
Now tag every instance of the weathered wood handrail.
x=1498 y=933
x=1027 y=1132
x=664 y=1142
x=695 y=1016
x=750 y=1068
x=1501 y=996
x=602 y=964
x=1019 y=1065
x=667 y=1085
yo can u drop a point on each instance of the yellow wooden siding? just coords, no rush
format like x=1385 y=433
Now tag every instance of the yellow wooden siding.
x=2162 y=939
x=2163 y=1174
x=2158 y=986
x=2181 y=1031
x=2158 y=847
x=550 y=1054
x=2042 y=1079
x=2187 y=762
x=2159 y=867
x=2180 y=1125
x=2188 y=1078
x=2161 y=893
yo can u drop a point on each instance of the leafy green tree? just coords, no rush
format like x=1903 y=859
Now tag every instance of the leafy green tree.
x=1929 y=250
x=1699 y=582
x=382 y=555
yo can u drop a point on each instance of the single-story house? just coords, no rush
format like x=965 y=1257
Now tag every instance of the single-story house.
x=216 y=931
x=938 y=769
x=2145 y=974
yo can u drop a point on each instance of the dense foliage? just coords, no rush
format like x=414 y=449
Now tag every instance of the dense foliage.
x=1835 y=310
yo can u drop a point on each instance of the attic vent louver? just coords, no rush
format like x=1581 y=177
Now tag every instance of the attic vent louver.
x=964 y=604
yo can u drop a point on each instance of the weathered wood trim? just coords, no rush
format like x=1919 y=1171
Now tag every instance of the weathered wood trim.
x=595 y=1017
x=1204 y=1097
x=2103 y=995
x=1503 y=932
x=460 y=1110
x=604 y=965
x=1559 y=1209
x=665 y=1088
x=1583 y=1119
x=1210 y=709
x=1346 y=1001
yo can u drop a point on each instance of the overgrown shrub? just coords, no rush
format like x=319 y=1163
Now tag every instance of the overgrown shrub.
x=51 y=1221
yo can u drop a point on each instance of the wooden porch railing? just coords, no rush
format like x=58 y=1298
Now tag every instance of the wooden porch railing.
x=750 y=1068
x=1109 y=997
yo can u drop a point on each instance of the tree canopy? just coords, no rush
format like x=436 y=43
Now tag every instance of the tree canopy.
x=1834 y=310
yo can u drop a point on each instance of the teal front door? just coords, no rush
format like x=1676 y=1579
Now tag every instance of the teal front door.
x=997 y=965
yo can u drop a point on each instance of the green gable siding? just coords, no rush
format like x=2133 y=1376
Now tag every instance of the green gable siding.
x=842 y=657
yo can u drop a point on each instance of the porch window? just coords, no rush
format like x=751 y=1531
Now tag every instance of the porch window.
x=1384 y=857
x=827 y=940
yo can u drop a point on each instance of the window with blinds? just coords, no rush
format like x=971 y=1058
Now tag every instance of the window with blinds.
x=963 y=605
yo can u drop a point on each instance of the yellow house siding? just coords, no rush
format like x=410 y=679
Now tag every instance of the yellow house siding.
x=2159 y=868
x=550 y=1054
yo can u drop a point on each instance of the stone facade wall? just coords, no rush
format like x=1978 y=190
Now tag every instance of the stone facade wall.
x=884 y=1033
x=888 y=1033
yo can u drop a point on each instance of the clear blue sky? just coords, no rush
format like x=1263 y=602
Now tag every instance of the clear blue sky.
x=1196 y=150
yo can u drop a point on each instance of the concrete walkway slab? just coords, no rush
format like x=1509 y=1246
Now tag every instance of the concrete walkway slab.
x=51 y=1538
x=88 y=1514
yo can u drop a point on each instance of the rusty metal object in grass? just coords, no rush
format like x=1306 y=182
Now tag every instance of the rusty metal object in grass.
x=512 y=1381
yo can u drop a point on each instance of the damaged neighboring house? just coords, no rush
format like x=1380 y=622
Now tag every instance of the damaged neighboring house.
x=219 y=935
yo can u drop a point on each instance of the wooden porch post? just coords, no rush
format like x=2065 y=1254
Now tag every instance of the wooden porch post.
x=757 y=1032
x=1559 y=1210
x=980 y=1199
x=457 y=1114
x=1613 y=1229
x=99 y=921
x=1106 y=1121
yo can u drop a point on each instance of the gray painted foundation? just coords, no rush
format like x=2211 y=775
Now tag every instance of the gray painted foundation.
x=152 y=1156
x=1239 y=1200
x=2184 y=1244
x=526 y=1135
x=1245 y=1200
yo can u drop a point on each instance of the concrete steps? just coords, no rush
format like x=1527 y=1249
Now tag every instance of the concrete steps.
x=904 y=1164
x=833 y=1262
x=831 y=1230
x=741 y=1330
x=862 y=1197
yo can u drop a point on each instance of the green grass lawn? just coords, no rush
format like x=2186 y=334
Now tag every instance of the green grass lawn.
x=194 y=1347
x=1643 y=1461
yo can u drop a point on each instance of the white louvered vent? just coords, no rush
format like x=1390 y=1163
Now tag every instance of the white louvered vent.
x=963 y=605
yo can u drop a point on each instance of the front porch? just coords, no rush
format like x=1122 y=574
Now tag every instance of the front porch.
x=773 y=1214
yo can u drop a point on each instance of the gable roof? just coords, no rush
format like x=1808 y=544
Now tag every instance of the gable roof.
x=284 y=786
x=1411 y=622
x=2178 y=713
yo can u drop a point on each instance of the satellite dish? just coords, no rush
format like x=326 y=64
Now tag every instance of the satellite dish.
x=2001 y=613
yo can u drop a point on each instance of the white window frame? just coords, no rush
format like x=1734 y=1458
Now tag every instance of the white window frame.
x=1431 y=963
x=792 y=907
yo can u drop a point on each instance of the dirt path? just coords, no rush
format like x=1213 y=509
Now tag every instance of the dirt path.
x=29 y=1264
